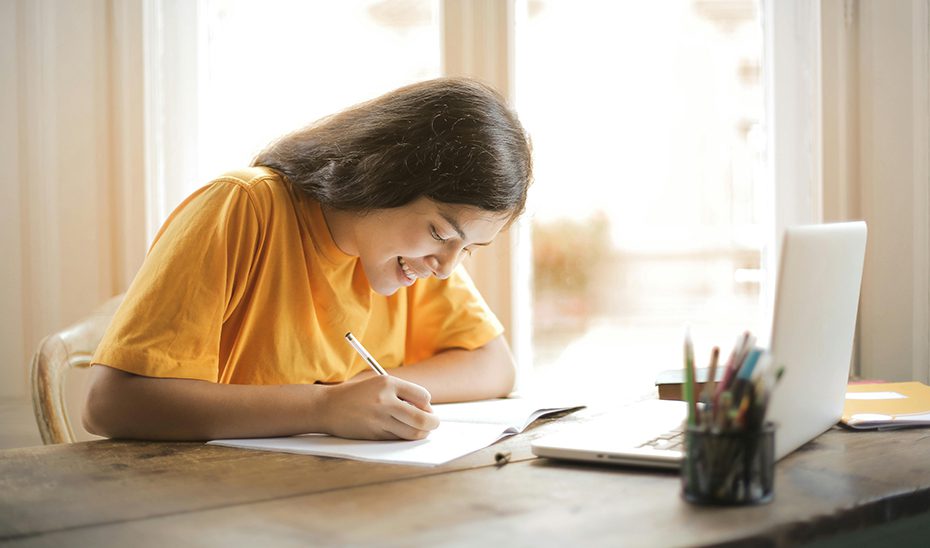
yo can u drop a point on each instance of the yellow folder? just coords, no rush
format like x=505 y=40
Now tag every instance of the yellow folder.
x=887 y=405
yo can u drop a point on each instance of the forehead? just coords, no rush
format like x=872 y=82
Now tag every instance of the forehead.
x=470 y=215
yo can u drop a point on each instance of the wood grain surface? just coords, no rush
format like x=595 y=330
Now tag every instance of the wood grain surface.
x=137 y=493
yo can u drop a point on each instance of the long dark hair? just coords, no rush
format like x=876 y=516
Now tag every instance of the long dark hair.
x=453 y=140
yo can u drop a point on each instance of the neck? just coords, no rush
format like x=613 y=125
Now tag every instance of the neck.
x=340 y=225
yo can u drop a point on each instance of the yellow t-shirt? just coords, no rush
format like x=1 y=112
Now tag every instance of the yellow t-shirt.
x=244 y=285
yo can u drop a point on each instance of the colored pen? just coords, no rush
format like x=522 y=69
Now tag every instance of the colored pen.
x=742 y=411
x=707 y=394
x=732 y=363
x=723 y=412
x=708 y=390
x=690 y=395
x=749 y=365
x=369 y=359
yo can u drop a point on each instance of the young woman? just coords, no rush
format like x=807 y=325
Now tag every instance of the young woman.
x=235 y=324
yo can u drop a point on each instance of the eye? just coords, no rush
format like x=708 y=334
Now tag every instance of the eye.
x=436 y=235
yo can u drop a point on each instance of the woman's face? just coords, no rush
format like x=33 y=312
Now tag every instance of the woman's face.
x=398 y=246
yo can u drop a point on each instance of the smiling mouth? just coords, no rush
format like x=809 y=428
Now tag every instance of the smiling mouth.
x=408 y=272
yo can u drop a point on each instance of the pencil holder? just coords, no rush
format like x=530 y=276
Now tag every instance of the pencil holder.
x=729 y=468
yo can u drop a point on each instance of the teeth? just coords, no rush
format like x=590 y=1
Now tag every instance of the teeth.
x=407 y=272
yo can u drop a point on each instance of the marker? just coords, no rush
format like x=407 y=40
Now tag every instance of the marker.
x=369 y=359
x=749 y=365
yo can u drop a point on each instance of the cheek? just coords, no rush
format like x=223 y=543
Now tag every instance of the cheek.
x=409 y=246
x=381 y=253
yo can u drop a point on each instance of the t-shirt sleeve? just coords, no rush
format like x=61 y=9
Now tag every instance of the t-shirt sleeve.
x=196 y=271
x=446 y=314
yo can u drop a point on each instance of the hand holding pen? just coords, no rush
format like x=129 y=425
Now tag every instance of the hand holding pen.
x=382 y=407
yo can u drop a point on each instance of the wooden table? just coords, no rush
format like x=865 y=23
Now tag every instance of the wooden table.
x=114 y=493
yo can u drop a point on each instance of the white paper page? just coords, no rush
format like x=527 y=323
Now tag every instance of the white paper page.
x=875 y=396
x=515 y=413
x=449 y=441
x=913 y=417
x=867 y=421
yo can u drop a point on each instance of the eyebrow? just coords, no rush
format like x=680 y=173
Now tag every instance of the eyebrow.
x=458 y=229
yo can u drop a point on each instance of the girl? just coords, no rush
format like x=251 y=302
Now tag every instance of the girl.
x=234 y=325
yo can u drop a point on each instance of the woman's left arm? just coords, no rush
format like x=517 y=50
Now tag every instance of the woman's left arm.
x=462 y=375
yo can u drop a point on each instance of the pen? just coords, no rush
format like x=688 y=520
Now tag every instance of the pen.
x=369 y=359
x=744 y=375
x=732 y=363
x=708 y=390
x=749 y=365
x=707 y=394
x=690 y=395
x=723 y=412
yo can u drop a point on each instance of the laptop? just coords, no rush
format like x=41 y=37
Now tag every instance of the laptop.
x=813 y=325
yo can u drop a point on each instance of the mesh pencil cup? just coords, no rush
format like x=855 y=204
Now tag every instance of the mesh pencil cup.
x=729 y=467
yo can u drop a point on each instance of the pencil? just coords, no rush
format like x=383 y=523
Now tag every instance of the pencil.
x=689 y=380
x=728 y=369
x=369 y=359
x=708 y=391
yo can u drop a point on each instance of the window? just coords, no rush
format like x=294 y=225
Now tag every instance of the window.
x=271 y=67
x=652 y=208
x=647 y=213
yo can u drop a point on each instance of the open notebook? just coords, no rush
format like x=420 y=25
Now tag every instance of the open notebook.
x=464 y=428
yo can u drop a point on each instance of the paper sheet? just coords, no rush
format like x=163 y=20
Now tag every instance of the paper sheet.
x=449 y=441
x=464 y=428
x=875 y=396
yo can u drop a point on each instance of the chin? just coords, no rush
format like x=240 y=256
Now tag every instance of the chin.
x=383 y=286
x=381 y=280
x=385 y=291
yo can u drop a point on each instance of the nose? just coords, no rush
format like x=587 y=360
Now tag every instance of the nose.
x=442 y=265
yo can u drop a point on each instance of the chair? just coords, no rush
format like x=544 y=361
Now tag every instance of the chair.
x=71 y=347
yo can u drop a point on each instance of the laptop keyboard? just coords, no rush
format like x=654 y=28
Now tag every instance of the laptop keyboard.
x=673 y=440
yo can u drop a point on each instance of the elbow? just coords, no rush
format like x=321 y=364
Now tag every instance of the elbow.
x=508 y=378
x=98 y=416
x=505 y=368
x=94 y=416
x=90 y=421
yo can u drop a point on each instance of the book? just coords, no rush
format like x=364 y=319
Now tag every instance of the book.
x=670 y=382
x=464 y=428
x=886 y=406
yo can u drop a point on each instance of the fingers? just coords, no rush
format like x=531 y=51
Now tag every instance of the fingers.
x=401 y=430
x=413 y=394
x=412 y=415
x=415 y=418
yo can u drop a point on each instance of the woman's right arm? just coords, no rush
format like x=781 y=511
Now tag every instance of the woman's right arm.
x=124 y=405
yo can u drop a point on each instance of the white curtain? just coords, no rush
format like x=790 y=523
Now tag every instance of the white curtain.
x=71 y=144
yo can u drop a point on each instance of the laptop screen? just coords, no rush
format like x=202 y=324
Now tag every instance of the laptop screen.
x=813 y=327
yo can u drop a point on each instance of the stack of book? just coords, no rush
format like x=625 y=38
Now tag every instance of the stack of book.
x=670 y=382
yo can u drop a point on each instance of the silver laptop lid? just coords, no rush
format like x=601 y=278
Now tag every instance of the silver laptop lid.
x=813 y=326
